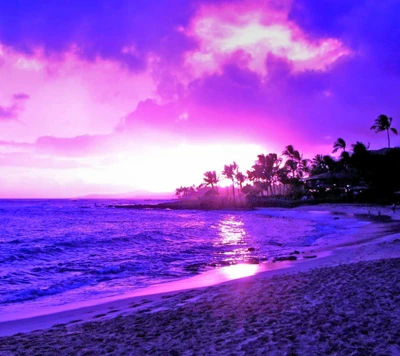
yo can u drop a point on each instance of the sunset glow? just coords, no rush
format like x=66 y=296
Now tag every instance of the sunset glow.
x=114 y=99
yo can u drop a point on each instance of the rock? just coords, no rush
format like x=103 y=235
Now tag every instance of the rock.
x=285 y=258
x=252 y=261
x=226 y=263
x=311 y=256
x=295 y=253
x=194 y=267
x=251 y=249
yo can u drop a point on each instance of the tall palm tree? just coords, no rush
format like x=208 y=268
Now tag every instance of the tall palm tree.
x=210 y=178
x=230 y=171
x=384 y=123
x=240 y=178
x=293 y=159
x=340 y=144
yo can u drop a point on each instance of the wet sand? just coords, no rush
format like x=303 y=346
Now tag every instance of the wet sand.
x=346 y=303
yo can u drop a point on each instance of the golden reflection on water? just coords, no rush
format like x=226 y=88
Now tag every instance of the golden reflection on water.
x=240 y=270
x=231 y=231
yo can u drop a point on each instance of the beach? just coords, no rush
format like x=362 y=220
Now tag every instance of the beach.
x=346 y=301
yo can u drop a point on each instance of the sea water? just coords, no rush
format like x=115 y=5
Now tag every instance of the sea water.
x=58 y=252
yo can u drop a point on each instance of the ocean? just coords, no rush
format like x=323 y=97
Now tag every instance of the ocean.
x=55 y=253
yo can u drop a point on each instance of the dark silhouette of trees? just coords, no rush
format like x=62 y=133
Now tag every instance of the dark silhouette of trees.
x=264 y=172
x=322 y=164
x=340 y=144
x=210 y=179
x=295 y=169
x=372 y=173
x=184 y=192
x=384 y=123
x=294 y=161
x=230 y=171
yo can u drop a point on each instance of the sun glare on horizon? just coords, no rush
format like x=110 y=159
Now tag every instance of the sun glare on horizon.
x=161 y=170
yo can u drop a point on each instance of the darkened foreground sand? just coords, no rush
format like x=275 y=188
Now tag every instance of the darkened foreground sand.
x=350 y=309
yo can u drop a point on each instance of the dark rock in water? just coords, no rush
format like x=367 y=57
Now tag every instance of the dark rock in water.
x=194 y=267
x=262 y=259
x=225 y=263
x=251 y=249
x=295 y=253
x=221 y=263
x=252 y=261
x=335 y=218
x=395 y=241
x=285 y=258
x=312 y=256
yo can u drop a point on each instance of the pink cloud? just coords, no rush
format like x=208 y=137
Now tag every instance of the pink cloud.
x=68 y=96
x=12 y=111
x=25 y=159
x=253 y=31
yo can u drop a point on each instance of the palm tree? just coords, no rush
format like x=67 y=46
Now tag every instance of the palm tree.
x=345 y=160
x=210 y=178
x=384 y=123
x=359 y=148
x=293 y=159
x=184 y=192
x=318 y=164
x=240 y=178
x=340 y=144
x=230 y=172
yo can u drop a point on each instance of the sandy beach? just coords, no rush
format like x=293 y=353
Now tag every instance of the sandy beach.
x=344 y=302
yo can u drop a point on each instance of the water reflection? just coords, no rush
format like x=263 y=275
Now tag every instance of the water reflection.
x=231 y=231
x=232 y=244
x=240 y=270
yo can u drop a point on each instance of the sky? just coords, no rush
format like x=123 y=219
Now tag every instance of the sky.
x=114 y=96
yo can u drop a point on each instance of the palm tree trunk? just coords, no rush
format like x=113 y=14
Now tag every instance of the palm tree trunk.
x=387 y=130
x=233 y=191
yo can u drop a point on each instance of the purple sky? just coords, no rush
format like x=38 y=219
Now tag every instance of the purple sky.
x=119 y=95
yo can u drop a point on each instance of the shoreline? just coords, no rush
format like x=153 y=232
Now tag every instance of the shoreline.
x=226 y=205
x=377 y=242
x=219 y=275
x=321 y=310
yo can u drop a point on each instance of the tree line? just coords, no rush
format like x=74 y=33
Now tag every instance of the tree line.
x=275 y=175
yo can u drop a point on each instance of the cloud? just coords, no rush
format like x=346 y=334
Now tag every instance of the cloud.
x=20 y=96
x=10 y=112
x=120 y=84
x=27 y=159
x=129 y=32
x=15 y=144
x=253 y=32
x=369 y=27
x=79 y=146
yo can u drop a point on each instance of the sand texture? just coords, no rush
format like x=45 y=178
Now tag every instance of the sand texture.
x=351 y=309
